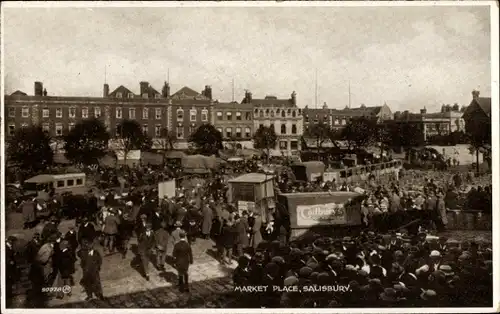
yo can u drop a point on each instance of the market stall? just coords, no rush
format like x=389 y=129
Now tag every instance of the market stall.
x=253 y=192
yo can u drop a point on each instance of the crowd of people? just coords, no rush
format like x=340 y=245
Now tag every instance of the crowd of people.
x=393 y=270
x=403 y=271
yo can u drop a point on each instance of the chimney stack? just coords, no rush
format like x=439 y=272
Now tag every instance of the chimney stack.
x=248 y=97
x=44 y=92
x=475 y=94
x=38 y=89
x=144 y=89
x=208 y=92
x=105 y=91
x=294 y=98
x=165 y=92
x=423 y=111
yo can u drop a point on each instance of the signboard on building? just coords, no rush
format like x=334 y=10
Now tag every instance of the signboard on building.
x=321 y=214
x=166 y=189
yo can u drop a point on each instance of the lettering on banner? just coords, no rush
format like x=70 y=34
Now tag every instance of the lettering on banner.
x=321 y=214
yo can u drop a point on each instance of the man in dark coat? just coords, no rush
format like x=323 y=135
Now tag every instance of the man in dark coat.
x=161 y=238
x=145 y=245
x=91 y=279
x=156 y=218
x=72 y=239
x=33 y=246
x=49 y=229
x=140 y=226
x=66 y=264
x=126 y=230
x=86 y=231
x=183 y=256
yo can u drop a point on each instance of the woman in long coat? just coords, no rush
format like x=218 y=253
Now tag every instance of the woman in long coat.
x=256 y=235
x=207 y=221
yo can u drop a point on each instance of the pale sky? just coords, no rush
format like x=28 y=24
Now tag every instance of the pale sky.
x=409 y=57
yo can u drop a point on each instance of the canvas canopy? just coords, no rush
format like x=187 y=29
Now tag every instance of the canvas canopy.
x=199 y=163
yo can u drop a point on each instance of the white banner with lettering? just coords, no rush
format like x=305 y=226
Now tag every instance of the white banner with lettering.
x=321 y=214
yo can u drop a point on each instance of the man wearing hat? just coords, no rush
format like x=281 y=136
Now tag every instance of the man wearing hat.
x=91 y=268
x=145 y=245
x=72 y=239
x=49 y=229
x=66 y=264
x=183 y=257
x=33 y=246
x=86 y=231
x=156 y=218
x=161 y=238
x=110 y=230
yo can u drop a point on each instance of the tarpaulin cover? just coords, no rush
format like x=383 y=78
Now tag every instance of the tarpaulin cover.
x=198 y=163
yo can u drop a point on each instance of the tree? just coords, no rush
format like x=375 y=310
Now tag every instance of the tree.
x=479 y=133
x=404 y=134
x=30 y=148
x=207 y=140
x=166 y=141
x=87 y=142
x=320 y=132
x=265 y=138
x=383 y=136
x=360 y=132
x=131 y=137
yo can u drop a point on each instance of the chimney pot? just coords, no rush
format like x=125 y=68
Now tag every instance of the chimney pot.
x=105 y=90
x=144 y=88
x=475 y=94
x=38 y=89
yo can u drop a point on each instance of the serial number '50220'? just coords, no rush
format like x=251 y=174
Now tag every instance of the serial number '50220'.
x=64 y=289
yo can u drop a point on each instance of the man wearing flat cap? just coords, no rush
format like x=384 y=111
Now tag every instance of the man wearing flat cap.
x=146 y=244
x=183 y=257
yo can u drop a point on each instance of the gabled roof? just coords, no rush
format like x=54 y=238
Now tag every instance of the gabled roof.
x=121 y=89
x=483 y=103
x=19 y=93
x=186 y=91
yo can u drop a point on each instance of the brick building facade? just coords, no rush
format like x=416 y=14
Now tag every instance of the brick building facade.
x=59 y=114
x=235 y=122
x=284 y=116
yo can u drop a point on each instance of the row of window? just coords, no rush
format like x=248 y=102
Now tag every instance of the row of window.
x=261 y=113
x=237 y=132
x=131 y=95
x=59 y=127
x=238 y=116
x=335 y=121
x=294 y=145
x=25 y=113
x=192 y=115
x=283 y=128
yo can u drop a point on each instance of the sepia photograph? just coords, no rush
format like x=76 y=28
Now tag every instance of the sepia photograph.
x=249 y=155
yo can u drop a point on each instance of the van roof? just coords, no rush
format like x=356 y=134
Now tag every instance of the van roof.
x=45 y=178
